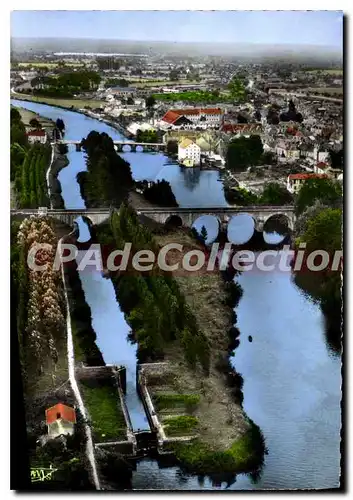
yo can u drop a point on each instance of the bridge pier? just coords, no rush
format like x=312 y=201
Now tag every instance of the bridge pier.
x=78 y=147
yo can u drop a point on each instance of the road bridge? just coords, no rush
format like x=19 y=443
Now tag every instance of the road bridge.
x=179 y=216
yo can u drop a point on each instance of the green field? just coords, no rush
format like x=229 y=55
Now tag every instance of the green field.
x=193 y=96
x=138 y=82
x=103 y=405
x=67 y=103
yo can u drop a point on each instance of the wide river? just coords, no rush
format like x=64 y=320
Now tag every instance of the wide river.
x=292 y=377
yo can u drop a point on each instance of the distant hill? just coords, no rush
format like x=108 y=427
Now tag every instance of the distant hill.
x=241 y=51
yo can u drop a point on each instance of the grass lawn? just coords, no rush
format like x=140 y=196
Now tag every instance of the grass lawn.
x=103 y=405
x=243 y=454
x=52 y=101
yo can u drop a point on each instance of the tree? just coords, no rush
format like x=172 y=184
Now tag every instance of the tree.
x=244 y=152
x=322 y=189
x=150 y=101
x=275 y=194
x=130 y=100
x=60 y=124
x=172 y=147
x=237 y=89
x=203 y=234
x=174 y=75
x=324 y=231
x=35 y=123
x=336 y=158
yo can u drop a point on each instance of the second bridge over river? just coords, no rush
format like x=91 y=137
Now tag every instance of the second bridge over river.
x=124 y=146
x=179 y=216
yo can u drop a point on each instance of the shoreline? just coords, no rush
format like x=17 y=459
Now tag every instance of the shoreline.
x=90 y=114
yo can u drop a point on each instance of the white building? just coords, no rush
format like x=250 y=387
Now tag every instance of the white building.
x=295 y=181
x=190 y=118
x=189 y=153
x=37 y=136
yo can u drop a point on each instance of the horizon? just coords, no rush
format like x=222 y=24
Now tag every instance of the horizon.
x=322 y=29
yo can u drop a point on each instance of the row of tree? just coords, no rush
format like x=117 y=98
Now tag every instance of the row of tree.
x=18 y=142
x=154 y=306
x=30 y=177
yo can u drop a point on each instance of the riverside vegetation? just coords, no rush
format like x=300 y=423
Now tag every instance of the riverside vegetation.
x=29 y=164
x=319 y=225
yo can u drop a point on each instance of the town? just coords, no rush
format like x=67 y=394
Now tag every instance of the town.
x=201 y=107
x=176 y=250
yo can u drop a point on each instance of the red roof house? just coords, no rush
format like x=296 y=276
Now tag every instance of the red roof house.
x=61 y=419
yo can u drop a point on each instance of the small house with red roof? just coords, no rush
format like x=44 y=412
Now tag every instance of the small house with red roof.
x=60 y=419
x=37 y=136
x=295 y=181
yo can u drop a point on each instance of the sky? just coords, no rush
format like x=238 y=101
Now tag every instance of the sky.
x=263 y=27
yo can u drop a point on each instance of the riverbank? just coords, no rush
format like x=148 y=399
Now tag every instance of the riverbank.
x=77 y=106
x=59 y=103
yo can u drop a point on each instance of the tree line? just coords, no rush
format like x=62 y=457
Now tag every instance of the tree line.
x=152 y=302
x=30 y=177
x=108 y=178
x=66 y=84
x=319 y=224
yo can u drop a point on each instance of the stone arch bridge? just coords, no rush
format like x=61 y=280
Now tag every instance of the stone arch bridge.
x=183 y=216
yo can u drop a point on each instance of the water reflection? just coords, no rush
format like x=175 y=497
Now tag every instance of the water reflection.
x=84 y=230
x=211 y=224
x=240 y=229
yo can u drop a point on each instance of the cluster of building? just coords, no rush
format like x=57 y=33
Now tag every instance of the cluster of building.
x=301 y=147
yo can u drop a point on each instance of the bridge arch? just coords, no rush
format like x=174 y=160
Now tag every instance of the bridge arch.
x=282 y=219
x=174 y=221
x=211 y=223
x=241 y=228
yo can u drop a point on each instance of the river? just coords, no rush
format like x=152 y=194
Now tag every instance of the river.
x=292 y=377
